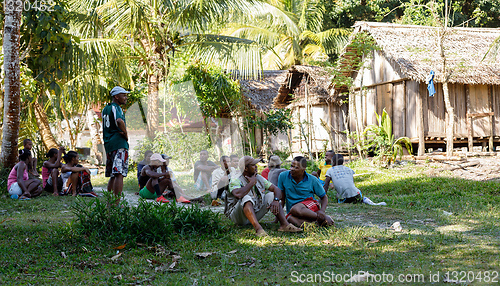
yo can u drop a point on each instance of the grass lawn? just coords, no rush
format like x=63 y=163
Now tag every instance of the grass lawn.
x=448 y=225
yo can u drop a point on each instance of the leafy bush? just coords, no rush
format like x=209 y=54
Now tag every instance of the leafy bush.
x=184 y=148
x=147 y=223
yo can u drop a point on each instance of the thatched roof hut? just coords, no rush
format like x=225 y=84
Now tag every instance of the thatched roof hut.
x=395 y=79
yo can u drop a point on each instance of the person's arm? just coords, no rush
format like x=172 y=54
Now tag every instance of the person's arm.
x=321 y=213
x=205 y=168
x=20 y=177
x=275 y=205
x=243 y=191
x=66 y=168
x=326 y=184
x=123 y=128
x=152 y=174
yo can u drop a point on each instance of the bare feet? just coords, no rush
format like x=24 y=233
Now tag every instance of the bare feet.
x=290 y=228
x=261 y=233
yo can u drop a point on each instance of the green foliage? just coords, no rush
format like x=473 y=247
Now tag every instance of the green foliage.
x=4 y=174
x=216 y=93
x=184 y=148
x=380 y=138
x=148 y=223
x=361 y=46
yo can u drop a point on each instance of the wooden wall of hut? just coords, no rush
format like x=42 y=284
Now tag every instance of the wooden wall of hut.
x=477 y=110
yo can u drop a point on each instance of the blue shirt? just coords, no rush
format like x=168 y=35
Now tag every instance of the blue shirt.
x=297 y=192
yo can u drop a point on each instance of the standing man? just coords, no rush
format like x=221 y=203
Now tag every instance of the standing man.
x=115 y=140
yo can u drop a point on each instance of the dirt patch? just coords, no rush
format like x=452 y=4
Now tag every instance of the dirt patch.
x=471 y=168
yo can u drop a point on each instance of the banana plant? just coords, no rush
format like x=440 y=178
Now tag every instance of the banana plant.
x=380 y=138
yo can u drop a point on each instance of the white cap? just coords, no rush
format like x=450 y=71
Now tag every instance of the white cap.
x=117 y=90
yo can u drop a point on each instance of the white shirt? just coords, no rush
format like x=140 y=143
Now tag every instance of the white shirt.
x=343 y=180
x=218 y=174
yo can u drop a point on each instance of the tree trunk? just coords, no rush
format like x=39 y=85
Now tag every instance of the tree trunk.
x=153 y=103
x=43 y=127
x=95 y=135
x=450 y=113
x=12 y=93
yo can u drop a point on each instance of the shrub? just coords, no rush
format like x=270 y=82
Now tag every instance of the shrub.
x=4 y=174
x=146 y=223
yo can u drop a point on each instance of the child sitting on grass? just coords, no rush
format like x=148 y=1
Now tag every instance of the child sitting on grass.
x=50 y=171
x=343 y=180
x=75 y=177
x=28 y=145
x=18 y=183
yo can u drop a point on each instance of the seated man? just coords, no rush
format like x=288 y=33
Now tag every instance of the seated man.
x=144 y=162
x=247 y=203
x=321 y=173
x=221 y=177
x=203 y=172
x=275 y=169
x=299 y=188
x=343 y=181
x=152 y=182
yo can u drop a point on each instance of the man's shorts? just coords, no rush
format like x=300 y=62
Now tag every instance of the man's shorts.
x=146 y=194
x=238 y=216
x=200 y=186
x=357 y=199
x=49 y=186
x=117 y=163
x=310 y=203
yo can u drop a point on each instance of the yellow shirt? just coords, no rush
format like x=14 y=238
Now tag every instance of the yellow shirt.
x=323 y=169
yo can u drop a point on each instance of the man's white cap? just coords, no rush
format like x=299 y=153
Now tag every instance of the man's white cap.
x=117 y=90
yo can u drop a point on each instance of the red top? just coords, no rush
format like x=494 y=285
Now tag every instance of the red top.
x=265 y=173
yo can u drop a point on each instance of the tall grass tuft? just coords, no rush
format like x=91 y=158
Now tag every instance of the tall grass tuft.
x=147 y=223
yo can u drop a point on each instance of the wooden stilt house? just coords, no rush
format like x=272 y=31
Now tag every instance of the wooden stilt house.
x=395 y=76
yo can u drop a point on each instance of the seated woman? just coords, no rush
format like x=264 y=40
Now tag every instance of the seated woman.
x=50 y=171
x=75 y=177
x=153 y=183
x=18 y=182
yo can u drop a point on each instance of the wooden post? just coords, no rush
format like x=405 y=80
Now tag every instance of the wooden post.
x=491 y=148
x=470 y=131
x=420 y=123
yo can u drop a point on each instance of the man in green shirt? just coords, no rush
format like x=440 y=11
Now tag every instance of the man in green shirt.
x=115 y=140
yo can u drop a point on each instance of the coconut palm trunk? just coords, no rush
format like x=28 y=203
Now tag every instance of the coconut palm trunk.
x=95 y=136
x=153 y=104
x=43 y=127
x=450 y=112
x=12 y=93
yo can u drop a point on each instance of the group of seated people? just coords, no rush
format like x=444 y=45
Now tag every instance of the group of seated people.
x=249 y=196
x=57 y=178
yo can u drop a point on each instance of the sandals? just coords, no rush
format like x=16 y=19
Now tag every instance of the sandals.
x=24 y=198
x=290 y=228
x=182 y=199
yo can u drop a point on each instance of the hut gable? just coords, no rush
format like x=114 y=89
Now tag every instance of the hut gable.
x=414 y=51
x=261 y=93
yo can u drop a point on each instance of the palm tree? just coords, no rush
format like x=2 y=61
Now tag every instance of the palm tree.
x=291 y=31
x=155 y=30
x=12 y=94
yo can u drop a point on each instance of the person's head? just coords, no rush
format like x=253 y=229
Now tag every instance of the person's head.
x=147 y=156
x=248 y=165
x=71 y=158
x=203 y=155
x=328 y=157
x=166 y=158
x=52 y=153
x=224 y=162
x=28 y=144
x=119 y=95
x=156 y=160
x=274 y=162
x=234 y=160
x=24 y=155
x=337 y=160
x=299 y=165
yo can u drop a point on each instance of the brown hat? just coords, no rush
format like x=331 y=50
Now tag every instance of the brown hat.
x=247 y=160
x=274 y=161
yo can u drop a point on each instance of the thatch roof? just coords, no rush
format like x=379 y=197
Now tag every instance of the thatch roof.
x=415 y=51
x=261 y=93
x=282 y=88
